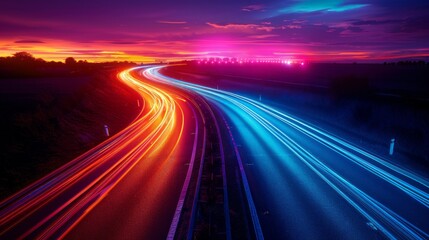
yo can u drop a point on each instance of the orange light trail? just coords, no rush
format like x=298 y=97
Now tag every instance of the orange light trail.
x=70 y=193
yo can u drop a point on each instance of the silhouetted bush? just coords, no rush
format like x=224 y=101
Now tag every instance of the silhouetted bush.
x=70 y=61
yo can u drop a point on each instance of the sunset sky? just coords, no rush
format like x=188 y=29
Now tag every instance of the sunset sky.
x=146 y=31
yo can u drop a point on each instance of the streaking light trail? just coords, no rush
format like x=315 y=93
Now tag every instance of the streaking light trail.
x=299 y=180
x=287 y=132
x=151 y=146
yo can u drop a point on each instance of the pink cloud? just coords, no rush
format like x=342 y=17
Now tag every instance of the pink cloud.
x=293 y=26
x=242 y=27
x=171 y=22
x=251 y=8
x=264 y=36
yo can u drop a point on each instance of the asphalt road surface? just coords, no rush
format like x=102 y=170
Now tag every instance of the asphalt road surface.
x=291 y=178
x=308 y=183
x=128 y=187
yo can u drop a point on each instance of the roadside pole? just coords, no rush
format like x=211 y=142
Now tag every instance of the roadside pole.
x=106 y=130
x=392 y=146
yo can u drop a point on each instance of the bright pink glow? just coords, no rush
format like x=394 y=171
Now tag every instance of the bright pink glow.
x=174 y=31
x=233 y=60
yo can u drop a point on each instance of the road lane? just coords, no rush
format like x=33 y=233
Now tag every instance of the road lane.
x=123 y=184
x=297 y=180
x=308 y=183
x=232 y=214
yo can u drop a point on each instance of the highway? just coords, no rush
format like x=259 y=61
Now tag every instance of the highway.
x=132 y=186
x=308 y=183
x=204 y=163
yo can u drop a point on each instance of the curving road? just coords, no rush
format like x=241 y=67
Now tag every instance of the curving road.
x=132 y=186
x=308 y=183
x=199 y=162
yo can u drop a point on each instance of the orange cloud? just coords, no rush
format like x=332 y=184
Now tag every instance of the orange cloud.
x=54 y=50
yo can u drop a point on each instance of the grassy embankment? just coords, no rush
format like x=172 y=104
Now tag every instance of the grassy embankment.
x=55 y=113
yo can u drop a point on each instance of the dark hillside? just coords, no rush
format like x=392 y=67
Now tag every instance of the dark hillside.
x=48 y=121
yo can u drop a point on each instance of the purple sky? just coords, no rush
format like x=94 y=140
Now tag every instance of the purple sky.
x=332 y=30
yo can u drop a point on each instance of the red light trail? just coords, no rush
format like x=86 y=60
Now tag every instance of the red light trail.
x=153 y=145
x=147 y=180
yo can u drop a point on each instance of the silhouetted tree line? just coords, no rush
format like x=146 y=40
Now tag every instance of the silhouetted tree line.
x=24 y=64
x=408 y=63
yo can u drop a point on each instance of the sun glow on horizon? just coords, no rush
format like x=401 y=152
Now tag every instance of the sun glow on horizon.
x=159 y=51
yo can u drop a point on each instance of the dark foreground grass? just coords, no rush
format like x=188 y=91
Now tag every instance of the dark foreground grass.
x=46 y=122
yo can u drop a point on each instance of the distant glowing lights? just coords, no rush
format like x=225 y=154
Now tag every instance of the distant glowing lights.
x=217 y=60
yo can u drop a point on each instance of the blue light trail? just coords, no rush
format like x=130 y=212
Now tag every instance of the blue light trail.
x=274 y=126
